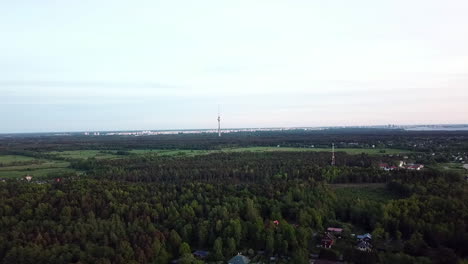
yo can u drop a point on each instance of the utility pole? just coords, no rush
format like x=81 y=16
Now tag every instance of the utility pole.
x=333 y=155
x=219 y=122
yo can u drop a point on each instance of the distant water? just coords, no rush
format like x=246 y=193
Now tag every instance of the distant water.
x=437 y=129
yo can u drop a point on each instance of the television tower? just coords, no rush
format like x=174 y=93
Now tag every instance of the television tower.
x=219 y=122
x=333 y=155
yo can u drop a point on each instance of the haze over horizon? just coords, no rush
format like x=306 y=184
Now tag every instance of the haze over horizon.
x=121 y=65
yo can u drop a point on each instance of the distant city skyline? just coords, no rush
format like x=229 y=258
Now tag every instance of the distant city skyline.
x=152 y=65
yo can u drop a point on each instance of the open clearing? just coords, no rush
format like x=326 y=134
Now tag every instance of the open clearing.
x=113 y=154
x=450 y=166
x=15 y=166
x=84 y=154
x=42 y=169
x=369 y=191
x=35 y=172
x=7 y=159
x=45 y=164
x=347 y=150
x=171 y=152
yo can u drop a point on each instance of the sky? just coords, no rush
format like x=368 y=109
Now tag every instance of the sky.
x=130 y=65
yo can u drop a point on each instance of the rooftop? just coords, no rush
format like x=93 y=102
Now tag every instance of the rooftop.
x=239 y=259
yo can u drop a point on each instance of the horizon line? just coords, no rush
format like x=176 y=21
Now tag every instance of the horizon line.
x=244 y=128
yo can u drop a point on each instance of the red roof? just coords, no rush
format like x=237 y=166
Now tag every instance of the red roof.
x=335 y=229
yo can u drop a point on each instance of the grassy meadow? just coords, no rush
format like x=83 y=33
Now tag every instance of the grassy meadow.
x=366 y=191
x=83 y=154
x=8 y=159
x=15 y=166
x=352 y=151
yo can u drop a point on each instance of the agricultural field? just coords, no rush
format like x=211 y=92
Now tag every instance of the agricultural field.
x=116 y=154
x=84 y=154
x=170 y=152
x=8 y=159
x=176 y=152
x=370 y=191
x=347 y=150
x=37 y=173
x=450 y=166
x=14 y=166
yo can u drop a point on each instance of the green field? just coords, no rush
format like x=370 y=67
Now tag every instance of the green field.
x=39 y=173
x=450 y=166
x=170 y=152
x=83 y=154
x=45 y=164
x=6 y=159
x=31 y=166
x=44 y=168
x=370 y=191
x=112 y=154
x=347 y=150
x=266 y=149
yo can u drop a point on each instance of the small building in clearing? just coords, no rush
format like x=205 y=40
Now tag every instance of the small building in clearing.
x=239 y=259
x=364 y=246
x=328 y=240
x=365 y=237
x=335 y=230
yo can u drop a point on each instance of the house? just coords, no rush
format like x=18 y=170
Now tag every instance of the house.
x=366 y=237
x=335 y=230
x=239 y=259
x=324 y=261
x=364 y=246
x=328 y=240
x=415 y=167
x=386 y=167
x=201 y=254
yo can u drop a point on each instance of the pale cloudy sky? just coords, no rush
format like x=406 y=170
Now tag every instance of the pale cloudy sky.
x=116 y=65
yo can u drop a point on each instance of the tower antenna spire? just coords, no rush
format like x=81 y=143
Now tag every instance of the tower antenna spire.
x=333 y=155
x=219 y=121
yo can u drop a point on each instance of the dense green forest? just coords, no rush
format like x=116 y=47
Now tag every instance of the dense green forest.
x=156 y=209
